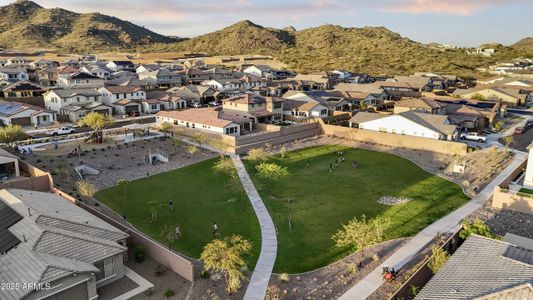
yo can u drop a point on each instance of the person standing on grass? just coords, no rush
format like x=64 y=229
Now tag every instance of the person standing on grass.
x=215 y=229
x=171 y=205
x=178 y=232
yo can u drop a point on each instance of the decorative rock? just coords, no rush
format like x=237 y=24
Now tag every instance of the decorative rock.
x=389 y=200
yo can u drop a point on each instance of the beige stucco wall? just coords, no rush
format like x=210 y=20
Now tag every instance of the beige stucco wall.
x=520 y=202
x=395 y=140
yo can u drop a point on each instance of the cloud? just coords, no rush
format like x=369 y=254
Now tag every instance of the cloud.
x=454 y=7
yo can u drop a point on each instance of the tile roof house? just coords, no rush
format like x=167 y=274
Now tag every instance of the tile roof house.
x=484 y=268
x=510 y=95
x=411 y=123
x=56 y=99
x=255 y=107
x=24 y=114
x=80 y=79
x=13 y=74
x=425 y=105
x=66 y=252
x=22 y=89
x=205 y=119
x=162 y=78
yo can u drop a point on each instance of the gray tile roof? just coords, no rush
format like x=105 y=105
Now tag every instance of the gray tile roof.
x=57 y=239
x=431 y=121
x=364 y=116
x=520 y=292
x=477 y=269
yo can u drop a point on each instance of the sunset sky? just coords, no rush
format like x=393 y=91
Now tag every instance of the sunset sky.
x=458 y=22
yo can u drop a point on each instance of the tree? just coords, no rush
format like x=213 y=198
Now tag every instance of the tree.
x=191 y=149
x=165 y=127
x=200 y=139
x=227 y=256
x=85 y=188
x=476 y=227
x=358 y=234
x=507 y=140
x=96 y=121
x=225 y=165
x=11 y=134
x=123 y=183
x=154 y=206
x=176 y=142
x=258 y=155
x=438 y=259
x=169 y=235
x=271 y=171
x=477 y=96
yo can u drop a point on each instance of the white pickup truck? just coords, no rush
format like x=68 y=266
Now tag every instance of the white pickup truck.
x=61 y=130
x=473 y=136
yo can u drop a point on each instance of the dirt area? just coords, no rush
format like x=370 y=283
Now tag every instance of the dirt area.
x=334 y=280
x=521 y=141
x=502 y=221
x=163 y=282
x=481 y=166
x=116 y=288
x=114 y=162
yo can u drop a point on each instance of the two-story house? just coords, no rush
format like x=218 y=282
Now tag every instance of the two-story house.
x=58 y=98
x=120 y=65
x=162 y=78
x=80 y=80
x=222 y=85
x=424 y=105
x=44 y=63
x=11 y=74
x=125 y=100
x=254 y=107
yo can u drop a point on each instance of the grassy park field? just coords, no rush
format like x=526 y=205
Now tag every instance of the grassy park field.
x=200 y=198
x=321 y=201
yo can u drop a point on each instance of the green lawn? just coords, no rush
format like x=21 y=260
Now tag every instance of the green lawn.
x=200 y=196
x=322 y=201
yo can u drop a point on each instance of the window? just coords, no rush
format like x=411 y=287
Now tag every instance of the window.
x=324 y=112
x=106 y=268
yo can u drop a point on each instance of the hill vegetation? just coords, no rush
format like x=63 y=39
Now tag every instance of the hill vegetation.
x=25 y=24
x=376 y=50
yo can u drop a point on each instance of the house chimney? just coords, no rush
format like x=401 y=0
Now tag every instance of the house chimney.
x=24 y=237
x=29 y=211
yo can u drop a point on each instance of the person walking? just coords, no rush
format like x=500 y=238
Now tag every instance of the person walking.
x=178 y=232
x=171 y=205
x=215 y=230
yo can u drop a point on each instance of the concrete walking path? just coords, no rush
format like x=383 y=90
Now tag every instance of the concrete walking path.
x=142 y=283
x=373 y=281
x=269 y=244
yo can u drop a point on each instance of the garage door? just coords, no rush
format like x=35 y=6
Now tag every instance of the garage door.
x=132 y=108
x=102 y=111
x=78 y=292
x=21 y=121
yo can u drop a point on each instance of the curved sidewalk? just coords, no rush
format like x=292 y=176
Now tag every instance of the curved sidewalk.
x=373 y=281
x=269 y=244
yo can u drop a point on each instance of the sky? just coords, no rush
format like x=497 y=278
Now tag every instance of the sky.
x=455 y=22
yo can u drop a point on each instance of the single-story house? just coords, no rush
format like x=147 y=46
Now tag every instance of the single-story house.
x=205 y=119
x=112 y=94
x=304 y=109
x=430 y=126
x=483 y=269
x=119 y=65
x=64 y=251
x=510 y=95
x=13 y=74
x=424 y=105
x=79 y=110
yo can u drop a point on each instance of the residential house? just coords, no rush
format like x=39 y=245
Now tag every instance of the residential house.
x=205 y=119
x=430 y=126
x=76 y=111
x=196 y=76
x=223 y=85
x=162 y=78
x=9 y=170
x=58 y=98
x=73 y=63
x=258 y=70
x=44 y=63
x=112 y=94
x=120 y=65
x=80 y=80
x=13 y=74
x=170 y=100
x=147 y=68
x=304 y=110
x=125 y=81
x=3 y=62
x=334 y=104
x=251 y=81
x=361 y=100
x=254 y=107
x=64 y=251
x=219 y=73
x=50 y=76
x=483 y=269
x=22 y=89
x=18 y=61
x=510 y=95
x=415 y=83
x=15 y=113
x=196 y=93
x=97 y=70
x=321 y=81
x=528 y=178
x=423 y=104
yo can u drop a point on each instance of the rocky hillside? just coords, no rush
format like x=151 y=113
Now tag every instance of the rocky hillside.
x=524 y=44
x=25 y=24
x=243 y=37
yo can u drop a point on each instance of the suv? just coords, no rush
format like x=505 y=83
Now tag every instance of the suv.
x=61 y=130
x=473 y=136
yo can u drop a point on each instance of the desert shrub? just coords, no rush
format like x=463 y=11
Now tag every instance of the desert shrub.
x=138 y=254
x=169 y=293
x=284 y=277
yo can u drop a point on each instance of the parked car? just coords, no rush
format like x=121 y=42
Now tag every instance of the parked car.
x=529 y=123
x=197 y=105
x=519 y=130
x=473 y=136
x=61 y=130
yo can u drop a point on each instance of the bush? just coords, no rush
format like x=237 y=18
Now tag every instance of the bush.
x=149 y=292
x=205 y=274
x=352 y=268
x=159 y=271
x=375 y=257
x=284 y=277
x=169 y=293
x=438 y=259
x=138 y=254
